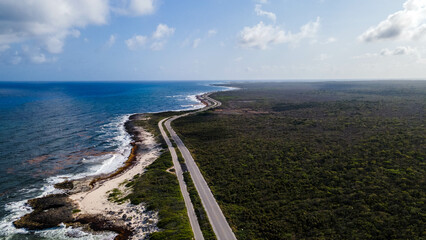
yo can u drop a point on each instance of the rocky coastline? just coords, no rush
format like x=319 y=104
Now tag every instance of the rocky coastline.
x=85 y=203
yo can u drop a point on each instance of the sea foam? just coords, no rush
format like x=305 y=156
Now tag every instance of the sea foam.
x=111 y=136
x=118 y=138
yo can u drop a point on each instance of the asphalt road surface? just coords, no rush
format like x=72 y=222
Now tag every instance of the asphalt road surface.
x=217 y=220
x=198 y=235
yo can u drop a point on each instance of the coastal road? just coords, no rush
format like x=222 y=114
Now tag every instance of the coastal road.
x=198 y=235
x=217 y=220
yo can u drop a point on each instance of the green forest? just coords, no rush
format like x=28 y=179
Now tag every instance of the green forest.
x=330 y=160
x=159 y=190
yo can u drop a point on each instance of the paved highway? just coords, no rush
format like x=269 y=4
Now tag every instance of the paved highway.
x=218 y=221
x=198 y=235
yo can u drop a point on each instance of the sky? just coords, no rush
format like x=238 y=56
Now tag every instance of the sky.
x=102 y=40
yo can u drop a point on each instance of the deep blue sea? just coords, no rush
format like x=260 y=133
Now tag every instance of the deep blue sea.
x=53 y=131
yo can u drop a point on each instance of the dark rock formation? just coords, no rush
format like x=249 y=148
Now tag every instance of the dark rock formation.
x=100 y=223
x=67 y=185
x=54 y=209
x=48 y=212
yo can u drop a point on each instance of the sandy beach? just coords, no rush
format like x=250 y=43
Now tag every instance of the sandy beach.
x=136 y=217
x=96 y=203
x=87 y=202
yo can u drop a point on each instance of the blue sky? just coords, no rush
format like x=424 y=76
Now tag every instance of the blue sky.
x=66 y=40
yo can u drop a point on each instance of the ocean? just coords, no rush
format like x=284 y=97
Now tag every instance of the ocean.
x=53 y=131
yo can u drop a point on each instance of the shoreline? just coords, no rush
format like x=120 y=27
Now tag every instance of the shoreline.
x=86 y=204
x=88 y=198
x=96 y=201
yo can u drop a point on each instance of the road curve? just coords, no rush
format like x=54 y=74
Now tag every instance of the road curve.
x=198 y=235
x=217 y=220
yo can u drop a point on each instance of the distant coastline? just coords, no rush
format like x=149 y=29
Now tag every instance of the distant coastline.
x=85 y=202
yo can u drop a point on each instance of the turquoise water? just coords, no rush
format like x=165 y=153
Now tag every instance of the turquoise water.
x=53 y=131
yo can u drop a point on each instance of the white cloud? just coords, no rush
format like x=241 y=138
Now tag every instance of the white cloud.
x=261 y=36
x=136 y=42
x=159 y=36
x=308 y=30
x=163 y=31
x=157 y=46
x=263 y=1
x=142 y=7
x=196 y=42
x=48 y=22
x=55 y=44
x=134 y=7
x=399 y=51
x=260 y=12
x=75 y=33
x=30 y=54
x=211 y=32
x=111 y=41
x=330 y=40
x=40 y=58
x=407 y=24
x=158 y=39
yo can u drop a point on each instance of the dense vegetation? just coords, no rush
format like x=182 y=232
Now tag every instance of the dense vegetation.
x=160 y=191
x=316 y=160
x=205 y=226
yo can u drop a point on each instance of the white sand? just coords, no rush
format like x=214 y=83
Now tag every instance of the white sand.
x=96 y=201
